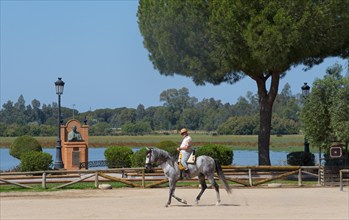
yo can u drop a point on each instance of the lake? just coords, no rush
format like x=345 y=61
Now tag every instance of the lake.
x=241 y=157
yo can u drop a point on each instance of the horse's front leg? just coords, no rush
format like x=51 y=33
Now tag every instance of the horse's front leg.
x=169 y=197
x=179 y=199
x=172 y=186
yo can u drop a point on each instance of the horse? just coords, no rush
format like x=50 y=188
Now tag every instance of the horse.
x=205 y=166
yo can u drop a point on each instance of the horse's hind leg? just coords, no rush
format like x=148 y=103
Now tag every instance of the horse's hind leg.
x=216 y=187
x=203 y=187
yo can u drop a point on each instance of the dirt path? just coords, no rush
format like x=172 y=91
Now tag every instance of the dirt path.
x=243 y=203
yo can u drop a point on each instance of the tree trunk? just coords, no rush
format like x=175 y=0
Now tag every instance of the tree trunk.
x=266 y=101
x=265 y=113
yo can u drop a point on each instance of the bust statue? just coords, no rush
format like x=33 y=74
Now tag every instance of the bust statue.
x=74 y=135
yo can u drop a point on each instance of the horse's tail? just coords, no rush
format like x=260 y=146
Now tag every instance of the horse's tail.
x=222 y=177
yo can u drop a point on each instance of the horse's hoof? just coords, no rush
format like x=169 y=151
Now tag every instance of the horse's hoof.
x=166 y=205
x=184 y=202
x=218 y=203
x=196 y=202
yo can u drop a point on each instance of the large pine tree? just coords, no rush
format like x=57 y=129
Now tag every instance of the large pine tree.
x=216 y=41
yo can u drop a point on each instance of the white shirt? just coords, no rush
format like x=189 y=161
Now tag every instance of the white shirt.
x=186 y=142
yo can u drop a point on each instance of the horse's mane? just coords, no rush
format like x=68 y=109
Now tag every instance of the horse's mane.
x=162 y=154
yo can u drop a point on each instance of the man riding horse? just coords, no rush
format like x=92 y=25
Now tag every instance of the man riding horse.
x=186 y=150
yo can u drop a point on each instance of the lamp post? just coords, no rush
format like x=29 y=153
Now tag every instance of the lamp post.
x=305 y=92
x=59 y=91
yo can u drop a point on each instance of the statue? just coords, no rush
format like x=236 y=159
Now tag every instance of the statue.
x=74 y=135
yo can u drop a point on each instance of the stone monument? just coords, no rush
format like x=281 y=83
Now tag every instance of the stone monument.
x=74 y=144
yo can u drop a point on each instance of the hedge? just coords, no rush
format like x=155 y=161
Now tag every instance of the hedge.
x=35 y=161
x=118 y=156
x=222 y=153
x=24 y=144
x=300 y=158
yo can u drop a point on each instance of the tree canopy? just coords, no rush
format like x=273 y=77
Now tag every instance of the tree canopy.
x=220 y=41
x=208 y=115
x=328 y=101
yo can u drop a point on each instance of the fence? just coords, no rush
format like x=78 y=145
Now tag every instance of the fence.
x=138 y=177
x=332 y=175
x=341 y=174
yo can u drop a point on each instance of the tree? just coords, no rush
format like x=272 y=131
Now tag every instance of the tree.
x=340 y=110
x=212 y=113
x=325 y=114
x=223 y=41
x=101 y=128
x=177 y=101
x=137 y=128
x=7 y=113
x=162 y=118
x=239 y=125
x=287 y=105
x=140 y=112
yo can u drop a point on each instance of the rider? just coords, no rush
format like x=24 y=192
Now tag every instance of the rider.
x=185 y=149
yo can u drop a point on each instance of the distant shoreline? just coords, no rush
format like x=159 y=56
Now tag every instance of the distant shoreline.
x=238 y=142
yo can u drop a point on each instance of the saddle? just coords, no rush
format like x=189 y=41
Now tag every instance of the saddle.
x=191 y=160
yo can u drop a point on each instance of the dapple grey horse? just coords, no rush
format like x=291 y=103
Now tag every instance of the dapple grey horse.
x=205 y=166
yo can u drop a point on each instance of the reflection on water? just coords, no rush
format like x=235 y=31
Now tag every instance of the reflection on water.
x=241 y=157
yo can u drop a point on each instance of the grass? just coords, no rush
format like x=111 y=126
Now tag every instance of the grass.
x=238 y=142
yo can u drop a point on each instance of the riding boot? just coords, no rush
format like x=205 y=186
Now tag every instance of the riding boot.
x=180 y=174
x=187 y=174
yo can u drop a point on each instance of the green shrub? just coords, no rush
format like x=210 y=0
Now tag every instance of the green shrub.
x=218 y=152
x=300 y=158
x=138 y=158
x=35 y=161
x=24 y=144
x=118 y=156
x=169 y=146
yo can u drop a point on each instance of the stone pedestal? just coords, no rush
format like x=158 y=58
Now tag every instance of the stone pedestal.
x=74 y=152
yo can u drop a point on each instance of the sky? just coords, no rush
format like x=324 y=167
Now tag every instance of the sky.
x=97 y=49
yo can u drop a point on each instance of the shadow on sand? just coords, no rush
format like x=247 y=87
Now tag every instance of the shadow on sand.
x=206 y=205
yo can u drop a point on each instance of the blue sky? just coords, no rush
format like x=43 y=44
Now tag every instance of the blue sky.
x=97 y=49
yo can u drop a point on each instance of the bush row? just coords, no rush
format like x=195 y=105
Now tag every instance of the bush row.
x=29 y=151
x=118 y=156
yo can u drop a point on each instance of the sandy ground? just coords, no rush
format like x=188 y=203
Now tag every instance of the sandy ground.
x=243 y=203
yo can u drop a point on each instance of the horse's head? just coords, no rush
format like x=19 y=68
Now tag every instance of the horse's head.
x=149 y=159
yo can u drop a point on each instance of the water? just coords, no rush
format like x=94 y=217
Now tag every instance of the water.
x=8 y=162
x=241 y=157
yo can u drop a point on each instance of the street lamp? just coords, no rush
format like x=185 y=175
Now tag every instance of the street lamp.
x=305 y=92
x=59 y=91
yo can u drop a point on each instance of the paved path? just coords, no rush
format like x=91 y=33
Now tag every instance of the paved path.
x=243 y=203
